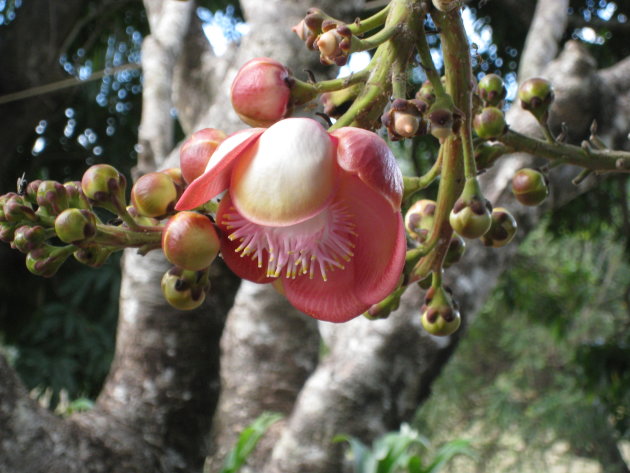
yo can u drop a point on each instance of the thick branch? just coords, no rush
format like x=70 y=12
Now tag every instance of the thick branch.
x=543 y=39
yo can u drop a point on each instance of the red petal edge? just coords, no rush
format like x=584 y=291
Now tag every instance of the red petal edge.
x=217 y=176
x=366 y=154
x=374 y=271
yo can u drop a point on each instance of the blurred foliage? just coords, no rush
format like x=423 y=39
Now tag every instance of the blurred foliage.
x=402 y=452
x=247 y=441
x=547 y=359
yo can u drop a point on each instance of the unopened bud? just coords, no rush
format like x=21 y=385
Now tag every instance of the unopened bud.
x=76 y=197
x=455 y=251
x=75 y=225
x=105 y=186
x=490 y=123
x=92 y=255
x=190 y=241
x=154 y=195
x=440 y=315
x=46 y=261
x=334 y=44
x=180 y=291
x=29 y=238
x=491 y=89
x=15 y=209
x=530 y=187
x=536 y=95
x=197 y=150
x=502 y=230
x=261 y=92
x=52 y=197
x=419 y=219
x=471 y=214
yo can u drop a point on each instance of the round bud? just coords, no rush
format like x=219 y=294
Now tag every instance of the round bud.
x=102 y=181
x=7 y=231
x=530 y=187
x=15 y=209
x=491 y=89
x=536 y=95
x=502 y=229
x=179 y=292
x=52 y=196
x=440 y=315
x=46 y=261
x=419 y=219
x=154 y=194
x=470 y=216
x=75 y=225
x=28 y=238
x=442 y=121
x=190 y=241
x=455 y=251
x=446 y=5
x=426 y=93
x=76 y=197
x=197 y=150
x=261 y=92
x=487 y=153
x=490 y=123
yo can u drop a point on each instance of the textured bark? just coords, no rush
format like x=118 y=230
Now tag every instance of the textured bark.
x=164 y=391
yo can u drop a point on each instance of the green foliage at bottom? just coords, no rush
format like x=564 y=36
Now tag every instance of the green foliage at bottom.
x=401 y=452
x=547 y=361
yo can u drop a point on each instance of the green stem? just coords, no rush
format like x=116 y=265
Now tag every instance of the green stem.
x=593 y=159
x=413 y=184
x=368 y=24
x=427 y=64
x=123 y=237
x=303 y=92
x=374 y=41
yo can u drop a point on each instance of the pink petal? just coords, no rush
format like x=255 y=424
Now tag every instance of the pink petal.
x=365 y=154
x=244 y=267
x=216 y=178
x=373 y=272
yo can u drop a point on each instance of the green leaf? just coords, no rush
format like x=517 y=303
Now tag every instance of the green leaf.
x=447 y=452
x=247 y=441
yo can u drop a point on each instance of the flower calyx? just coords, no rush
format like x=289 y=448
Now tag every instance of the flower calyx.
x=404 y=119
x=471 y=214
x=440 y=313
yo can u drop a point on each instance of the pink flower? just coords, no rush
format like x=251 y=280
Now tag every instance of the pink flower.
x=318 y=212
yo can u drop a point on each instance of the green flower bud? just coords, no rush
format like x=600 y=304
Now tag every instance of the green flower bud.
x=455 y=251
x=536 y=95
x=491 y=89
x=336 y=103
x=419 y=219
x=76 y=197
x=440 y=315
x=502 y=230
x=52 y=197
x=7 y=231
x=471 y=214
x=29 y=238
x=190 y=241
x=490 y=123
x=180 y=292
x=47 y=260
x=75 y=225
x=530 y=187
x=31 y=191
x=92 y=255
x=426 y=93
x=105 y=186
x=16 y=209
x=154 y=195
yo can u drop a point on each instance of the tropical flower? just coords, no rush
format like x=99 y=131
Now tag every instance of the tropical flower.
x=318 y=213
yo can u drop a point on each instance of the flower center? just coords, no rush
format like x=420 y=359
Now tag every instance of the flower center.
x=321 y=243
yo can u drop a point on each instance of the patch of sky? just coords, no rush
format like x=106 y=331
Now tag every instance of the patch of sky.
x=356 y=62
x=221 y=28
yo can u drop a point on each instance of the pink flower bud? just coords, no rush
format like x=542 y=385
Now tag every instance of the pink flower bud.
x=190 y=241
x=196 y=151
x=261 y=92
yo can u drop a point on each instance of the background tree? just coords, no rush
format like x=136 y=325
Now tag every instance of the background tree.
x=164 y=387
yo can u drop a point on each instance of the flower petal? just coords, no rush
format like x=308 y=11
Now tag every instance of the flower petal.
x=244 y=267
x=365 y=154
x=216 y=178
x=289 y=178
x=372 y=273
